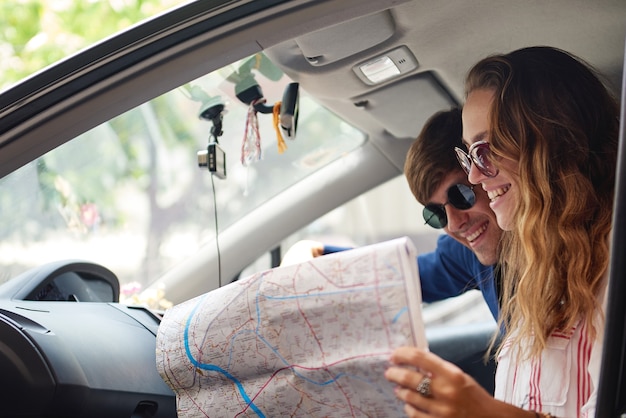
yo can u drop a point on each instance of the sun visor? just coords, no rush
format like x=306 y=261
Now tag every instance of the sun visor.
x=414 y=100
x=340 y=41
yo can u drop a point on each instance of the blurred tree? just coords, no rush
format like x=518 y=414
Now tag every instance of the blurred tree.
x=36 y=33
x=33 y=35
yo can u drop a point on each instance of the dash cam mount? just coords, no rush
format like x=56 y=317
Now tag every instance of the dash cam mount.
x=213 y=158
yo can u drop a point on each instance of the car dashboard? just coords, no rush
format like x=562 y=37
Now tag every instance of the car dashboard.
x=62 y=355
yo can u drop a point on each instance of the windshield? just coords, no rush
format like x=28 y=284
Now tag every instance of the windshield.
x=130 y=194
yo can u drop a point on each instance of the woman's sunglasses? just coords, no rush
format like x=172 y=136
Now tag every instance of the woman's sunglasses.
x=460 y=196
x=479 y=154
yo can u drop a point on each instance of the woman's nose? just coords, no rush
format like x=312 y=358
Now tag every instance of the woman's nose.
x=475 y=176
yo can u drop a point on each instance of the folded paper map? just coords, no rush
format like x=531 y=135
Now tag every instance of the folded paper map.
x=306 y=340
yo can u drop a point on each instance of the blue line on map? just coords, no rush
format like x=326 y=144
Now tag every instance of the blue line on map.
x=399 y=314
x=214 y=368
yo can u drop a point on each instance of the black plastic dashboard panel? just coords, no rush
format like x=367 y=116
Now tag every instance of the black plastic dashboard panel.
x=65 y=359
x=68 y=349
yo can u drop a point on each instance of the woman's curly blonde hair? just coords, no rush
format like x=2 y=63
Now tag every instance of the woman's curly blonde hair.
x=552 y=113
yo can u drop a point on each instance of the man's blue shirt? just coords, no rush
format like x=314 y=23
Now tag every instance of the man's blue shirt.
x=453 y=269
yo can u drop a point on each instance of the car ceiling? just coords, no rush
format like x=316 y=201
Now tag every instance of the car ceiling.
x=446 y=38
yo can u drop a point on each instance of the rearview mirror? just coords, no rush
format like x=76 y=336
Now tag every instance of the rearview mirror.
x=289 y=111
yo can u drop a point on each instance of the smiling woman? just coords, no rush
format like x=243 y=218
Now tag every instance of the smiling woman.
x=548 y=164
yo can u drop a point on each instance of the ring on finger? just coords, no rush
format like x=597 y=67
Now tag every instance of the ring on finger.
x=423 y=387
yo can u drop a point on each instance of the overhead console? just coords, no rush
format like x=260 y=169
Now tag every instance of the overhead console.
x=352 y=74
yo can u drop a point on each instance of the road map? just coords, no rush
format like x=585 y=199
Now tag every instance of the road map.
x=307 y=340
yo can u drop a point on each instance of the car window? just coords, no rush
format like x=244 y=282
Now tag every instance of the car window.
x=98 y=197
x=37 y=33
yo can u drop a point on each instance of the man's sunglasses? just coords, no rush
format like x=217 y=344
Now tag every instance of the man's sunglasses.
x=460 y=196
x=480 y=155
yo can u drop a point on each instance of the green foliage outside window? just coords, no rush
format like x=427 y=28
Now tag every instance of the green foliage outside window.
x=37 y=33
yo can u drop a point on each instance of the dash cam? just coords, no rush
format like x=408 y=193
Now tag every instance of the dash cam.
x=214 y=159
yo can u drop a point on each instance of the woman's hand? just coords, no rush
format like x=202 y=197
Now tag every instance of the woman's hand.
x=451 y=392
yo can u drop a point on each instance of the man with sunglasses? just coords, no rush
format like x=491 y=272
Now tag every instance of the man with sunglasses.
x=464 y=257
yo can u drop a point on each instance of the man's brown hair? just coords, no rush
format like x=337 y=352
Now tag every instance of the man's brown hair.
x=431 y=157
